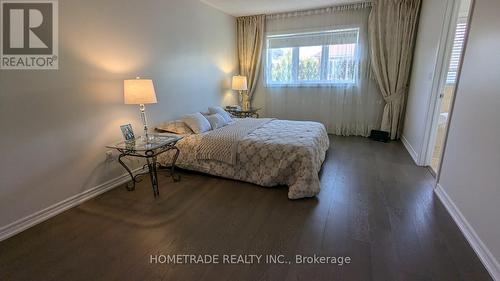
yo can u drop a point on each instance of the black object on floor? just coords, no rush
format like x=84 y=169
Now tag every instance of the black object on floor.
x=379 y=136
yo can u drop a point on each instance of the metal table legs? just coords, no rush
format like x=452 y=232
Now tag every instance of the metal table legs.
x=152 y=171
x=153 y=174
x=172 y=167
x=134 y=178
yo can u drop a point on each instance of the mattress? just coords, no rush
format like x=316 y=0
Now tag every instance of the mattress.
x=278 y=152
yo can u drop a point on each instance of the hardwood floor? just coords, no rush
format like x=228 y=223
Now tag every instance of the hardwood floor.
x=375 y=207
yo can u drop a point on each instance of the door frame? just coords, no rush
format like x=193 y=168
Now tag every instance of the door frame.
x=439 y=82
x=454 y=98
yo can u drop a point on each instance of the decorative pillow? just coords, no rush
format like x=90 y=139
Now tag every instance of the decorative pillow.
x=222 y=112
x=176 y=127
x=216 y=121
x=197 y=122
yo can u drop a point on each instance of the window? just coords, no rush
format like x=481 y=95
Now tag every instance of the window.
x=281 y=64
x=312 y=59
x=456 y=52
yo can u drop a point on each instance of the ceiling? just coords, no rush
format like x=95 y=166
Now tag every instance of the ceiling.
x=255 y=7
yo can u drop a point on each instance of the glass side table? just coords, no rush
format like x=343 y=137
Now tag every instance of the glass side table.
x=150 y=149
x=241 y=113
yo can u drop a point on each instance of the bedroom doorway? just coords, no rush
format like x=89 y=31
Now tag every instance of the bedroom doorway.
x=450 y=72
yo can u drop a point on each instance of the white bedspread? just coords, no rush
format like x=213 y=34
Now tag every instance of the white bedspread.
x=279 y=152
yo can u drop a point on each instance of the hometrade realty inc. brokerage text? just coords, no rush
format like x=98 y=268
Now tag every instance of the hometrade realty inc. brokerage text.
x=248 y=259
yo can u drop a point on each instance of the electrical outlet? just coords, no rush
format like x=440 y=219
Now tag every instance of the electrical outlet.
x=109 y=155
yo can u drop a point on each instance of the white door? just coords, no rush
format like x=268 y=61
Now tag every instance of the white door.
x=448 y=81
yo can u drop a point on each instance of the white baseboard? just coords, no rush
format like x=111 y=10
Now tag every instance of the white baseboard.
x=488 y=260
x=47 y=213
x=410 y=150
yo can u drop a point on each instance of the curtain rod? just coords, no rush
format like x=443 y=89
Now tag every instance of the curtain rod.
x=317 y=11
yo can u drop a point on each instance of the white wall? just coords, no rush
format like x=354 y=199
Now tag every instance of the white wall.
x=55 y=124
x=432 y=17
x=470 y=174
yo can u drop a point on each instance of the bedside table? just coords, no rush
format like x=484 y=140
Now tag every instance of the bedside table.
x=240 y=113
x=149 y=150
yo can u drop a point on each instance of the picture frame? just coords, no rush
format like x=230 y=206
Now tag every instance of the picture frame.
x=128 y=132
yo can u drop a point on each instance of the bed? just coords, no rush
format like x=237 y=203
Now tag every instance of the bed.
x=267 y=152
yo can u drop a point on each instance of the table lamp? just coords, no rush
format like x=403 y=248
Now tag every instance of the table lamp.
x=140 y=91
x=239 y=84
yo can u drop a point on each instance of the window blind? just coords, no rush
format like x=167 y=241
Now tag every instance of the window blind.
x=456 y=53
x=347 y=36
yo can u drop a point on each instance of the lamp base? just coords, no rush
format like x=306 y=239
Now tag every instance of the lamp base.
x=145 y=137
x=245 y=103
x=148 y=138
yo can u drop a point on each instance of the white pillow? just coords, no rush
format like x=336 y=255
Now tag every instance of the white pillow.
x=216 y=121
x=222 y=112
x=197 y=122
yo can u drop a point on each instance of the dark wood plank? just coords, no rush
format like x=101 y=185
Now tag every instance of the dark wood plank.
x=375 y=206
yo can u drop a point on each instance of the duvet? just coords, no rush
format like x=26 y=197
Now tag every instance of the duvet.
x=268 y=153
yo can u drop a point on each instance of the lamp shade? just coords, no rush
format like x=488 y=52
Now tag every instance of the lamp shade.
x=239 y=83
x=139 y=91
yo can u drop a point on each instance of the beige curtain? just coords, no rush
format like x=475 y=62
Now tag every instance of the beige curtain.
x=250 y=36
x=345 y=109
x=392 y=29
